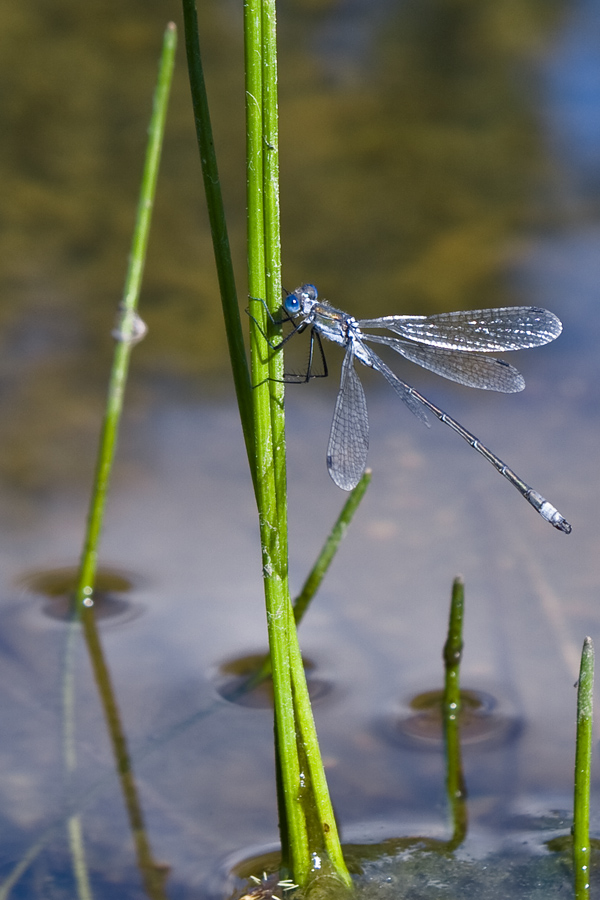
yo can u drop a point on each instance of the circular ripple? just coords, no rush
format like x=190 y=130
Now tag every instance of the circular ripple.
x=252 y=874
x=55 y=588
x=483 y=721
x=243 y=680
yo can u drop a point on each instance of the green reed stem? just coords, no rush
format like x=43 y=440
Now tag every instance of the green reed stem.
x=129 y=327
x=330 y=548
x=295 y=731
x=318 y=810
x=218 y=227
x=266 y=450
x=261 y=406
x=316 y=574
x=455 y=786
x=583 y=768
x=264 y=282
x=129 y=330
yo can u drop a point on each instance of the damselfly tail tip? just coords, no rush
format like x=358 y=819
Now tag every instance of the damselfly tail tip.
x=552 y=515
x=547 y=511
x=562 y=525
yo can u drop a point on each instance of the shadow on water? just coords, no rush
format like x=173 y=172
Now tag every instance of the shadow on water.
x=434 y=155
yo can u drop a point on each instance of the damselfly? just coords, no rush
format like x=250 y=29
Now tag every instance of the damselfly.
x=450 y=344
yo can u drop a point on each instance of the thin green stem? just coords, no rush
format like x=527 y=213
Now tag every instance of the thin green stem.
x=254 y=174
x=455 y=786
x=583 y=767
x=330 y=548
x=129 y=328
x=218 y=227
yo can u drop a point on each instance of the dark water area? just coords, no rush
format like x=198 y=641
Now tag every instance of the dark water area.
x=435 y=155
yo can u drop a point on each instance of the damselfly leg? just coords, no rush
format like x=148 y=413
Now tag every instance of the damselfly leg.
x=316 y=364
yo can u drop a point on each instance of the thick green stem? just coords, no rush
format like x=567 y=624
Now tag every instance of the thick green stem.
x=294 y=727
x=269 y=424
x=296 y=739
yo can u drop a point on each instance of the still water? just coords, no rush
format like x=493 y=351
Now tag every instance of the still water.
x=434 y=156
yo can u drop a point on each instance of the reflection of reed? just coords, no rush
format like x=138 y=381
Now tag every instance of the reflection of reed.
x=153 y=874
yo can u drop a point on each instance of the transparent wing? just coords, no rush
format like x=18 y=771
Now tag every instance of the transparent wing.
x=404 y=391
x=349 y=437
x=473 y=369
x=507 y=328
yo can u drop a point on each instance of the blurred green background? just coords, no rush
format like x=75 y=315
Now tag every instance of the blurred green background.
x=413 y=175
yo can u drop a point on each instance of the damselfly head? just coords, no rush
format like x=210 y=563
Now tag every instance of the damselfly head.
x=301 y=300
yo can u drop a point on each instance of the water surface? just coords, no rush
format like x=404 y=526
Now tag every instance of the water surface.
x=434 y=156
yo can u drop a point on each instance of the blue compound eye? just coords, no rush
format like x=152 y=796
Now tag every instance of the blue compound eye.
x=291 y=304
x=311 y=291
